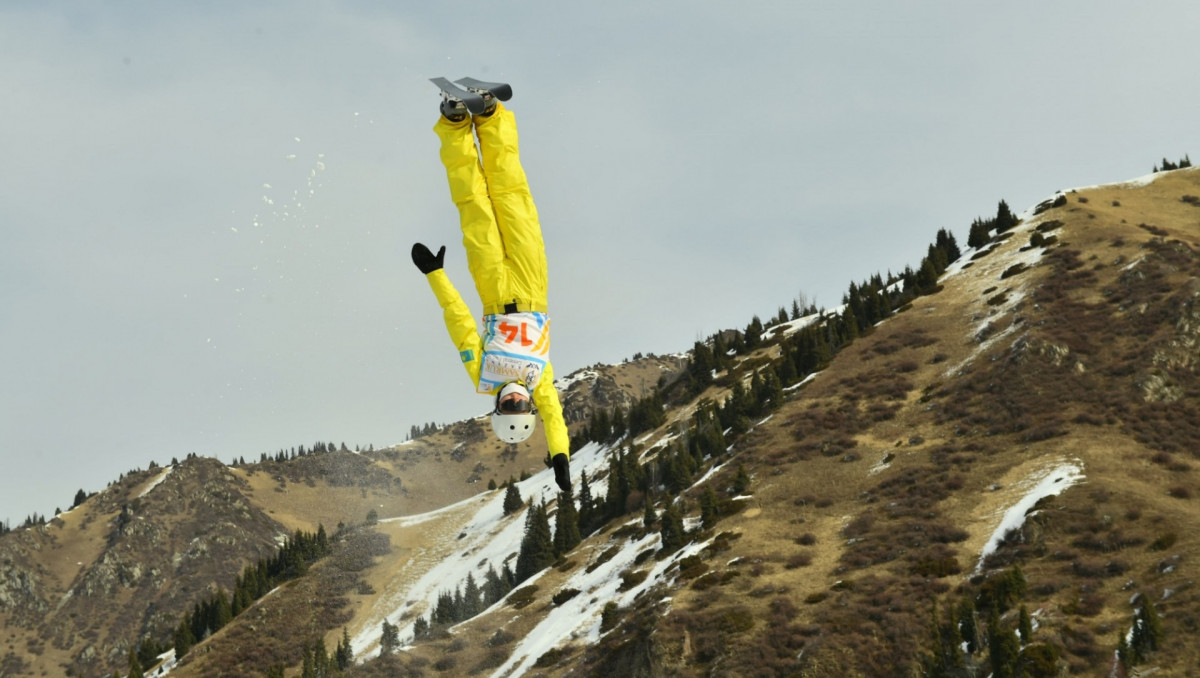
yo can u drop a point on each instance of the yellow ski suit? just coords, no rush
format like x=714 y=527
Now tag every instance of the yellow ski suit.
x=503 y=241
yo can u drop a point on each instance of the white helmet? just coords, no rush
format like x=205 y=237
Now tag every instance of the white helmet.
x=512 y=417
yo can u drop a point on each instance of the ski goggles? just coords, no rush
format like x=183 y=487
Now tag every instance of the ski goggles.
x=513 y=398
x=514 y=403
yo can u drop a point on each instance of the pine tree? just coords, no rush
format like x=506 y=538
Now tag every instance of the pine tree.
x=927 y=276
x=587 y=506
x=135 y=666
x=345 y=654
x=741 y=482
x=770 y=393
x=710 y=511
x=1025 y=626
x=649 y=515
x=944 y=659
x=619 y=485
x=307 y=666
x=968 y=624
x=788 y=374
x=619 y=427
x=671 y=528
x=149 y=650
x=701 y=366
x=537 y=546
x=184 y=639
x=494 y=587
x=753 y=334
x=1147 y=633
x=223 y=611
x=443 y=612
x=1005 y=219
x=566 y=524
x=420 y=629
x=1124 y=655
x=512 y=499
x=1003 y=648
x=390 y=641
x=321 y=661
x=471 y=603
x=980 y=233
x=945 y=241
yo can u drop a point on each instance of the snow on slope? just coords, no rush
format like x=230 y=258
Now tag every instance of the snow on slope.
x=986 y=273
x=579 y=617
x=155 y=483
x=792 y=326
x=488 y=538
x=1045 y=482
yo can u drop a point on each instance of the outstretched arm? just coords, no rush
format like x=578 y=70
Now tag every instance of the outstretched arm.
x=545 y=397
x=459 y=321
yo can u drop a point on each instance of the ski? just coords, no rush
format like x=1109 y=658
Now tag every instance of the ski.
x=500 y=90
x=472 y=100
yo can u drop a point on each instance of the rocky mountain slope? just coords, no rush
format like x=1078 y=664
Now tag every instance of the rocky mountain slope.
x=1006 y=464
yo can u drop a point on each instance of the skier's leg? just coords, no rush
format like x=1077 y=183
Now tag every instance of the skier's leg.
x=516 y=215
x=469 y=191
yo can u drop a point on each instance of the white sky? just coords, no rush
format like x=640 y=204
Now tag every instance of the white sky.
x=694 y=164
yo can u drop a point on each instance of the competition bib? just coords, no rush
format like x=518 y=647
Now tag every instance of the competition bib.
x=516 y=347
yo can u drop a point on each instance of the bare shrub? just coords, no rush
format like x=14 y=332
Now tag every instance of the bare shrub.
x=522 y=597
x=1163 y=542
x=806 y=539
x=798 y=560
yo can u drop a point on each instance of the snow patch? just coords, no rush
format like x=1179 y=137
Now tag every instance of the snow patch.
x=709 y=473
x=1045 y=482
x=576 y=377
x=157 y=481
x=486 y=537
x=579 y=617
x=802 y=382
x=791 y=326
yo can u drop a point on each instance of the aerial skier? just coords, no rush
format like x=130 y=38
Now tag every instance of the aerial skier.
x=507 y=259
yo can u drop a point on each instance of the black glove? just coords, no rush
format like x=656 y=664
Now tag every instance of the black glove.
x=425 y=260
x=562 y=471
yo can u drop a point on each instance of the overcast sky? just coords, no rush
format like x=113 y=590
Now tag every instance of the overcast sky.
x=207 y=208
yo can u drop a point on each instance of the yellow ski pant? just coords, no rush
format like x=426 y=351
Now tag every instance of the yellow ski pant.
x=500 y=228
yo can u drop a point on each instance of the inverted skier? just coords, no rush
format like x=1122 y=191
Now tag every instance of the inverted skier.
x=507 y=259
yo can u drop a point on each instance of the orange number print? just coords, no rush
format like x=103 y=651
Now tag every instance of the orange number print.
x=511 y=331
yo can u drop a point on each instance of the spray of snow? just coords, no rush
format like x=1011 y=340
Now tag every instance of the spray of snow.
x=1046 y=482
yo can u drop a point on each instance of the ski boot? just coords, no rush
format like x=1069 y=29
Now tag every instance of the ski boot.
x=453 y=109
x=457 y=103
x=491 y=92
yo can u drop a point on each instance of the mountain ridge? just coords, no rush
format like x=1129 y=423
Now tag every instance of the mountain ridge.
x=876 y=484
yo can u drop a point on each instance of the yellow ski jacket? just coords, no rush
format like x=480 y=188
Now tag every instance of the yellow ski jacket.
x=465 y=335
